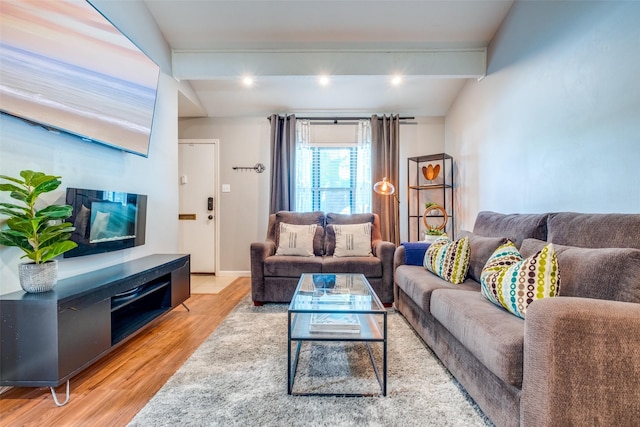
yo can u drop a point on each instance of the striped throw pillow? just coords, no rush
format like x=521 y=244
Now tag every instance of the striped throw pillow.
x=296 y=240
x=448 y=259
x=352 y=240
x=511 y=281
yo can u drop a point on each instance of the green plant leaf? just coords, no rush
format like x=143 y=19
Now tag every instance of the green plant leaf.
x=11 y=187
x=56 y=249
x=11 y=238
x=12 y=179
x=28 y=175
x=46 y=186
x=25 y=225
x=55 y=212
x=20 y=195
x=56 y=233
x=41 y=178
x=11 y=213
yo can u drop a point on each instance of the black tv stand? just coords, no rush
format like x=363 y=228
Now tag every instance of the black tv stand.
x=47 y=338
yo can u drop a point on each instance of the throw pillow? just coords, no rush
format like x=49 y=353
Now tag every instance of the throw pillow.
x=414 y=252
x=480 y=249
x=511 y=281
x=448 y=259
x=296 y=239
x=352 y=239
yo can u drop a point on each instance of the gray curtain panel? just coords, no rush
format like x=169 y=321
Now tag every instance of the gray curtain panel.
x=283 y=153
x=385 y=143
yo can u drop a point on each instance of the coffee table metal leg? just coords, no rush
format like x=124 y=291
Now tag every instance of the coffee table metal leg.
x=293 y=369
x=384 y=356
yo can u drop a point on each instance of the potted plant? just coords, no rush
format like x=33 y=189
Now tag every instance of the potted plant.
x=41 y=234
x=432 y=234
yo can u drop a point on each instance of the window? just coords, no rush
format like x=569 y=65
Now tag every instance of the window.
x=333 y=176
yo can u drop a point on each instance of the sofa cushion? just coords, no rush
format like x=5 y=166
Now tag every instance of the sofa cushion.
x=291 y=266
x=480 y=249
x=301 y=218
x=605 y=273
x=594 y=230
x=335 y=218
x=296 y=240
x=419 y=283
x=369 y=266
x=513 y=282
x=515 y=227
x=352 y=239
x=448 y=259
x=491 y=334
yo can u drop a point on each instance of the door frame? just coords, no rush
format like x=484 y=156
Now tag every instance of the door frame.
x=216 y=173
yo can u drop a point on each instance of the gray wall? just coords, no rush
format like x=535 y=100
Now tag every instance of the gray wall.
x=555 y=125
x=244 y=211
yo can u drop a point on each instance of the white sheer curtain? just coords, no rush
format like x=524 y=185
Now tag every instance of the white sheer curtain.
x=304 y=161
x=310 y=165
x=363 y=183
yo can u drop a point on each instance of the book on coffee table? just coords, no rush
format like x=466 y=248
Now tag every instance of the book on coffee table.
x=334 y=322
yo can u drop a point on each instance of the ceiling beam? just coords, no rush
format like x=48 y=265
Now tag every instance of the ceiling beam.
x=449 y=63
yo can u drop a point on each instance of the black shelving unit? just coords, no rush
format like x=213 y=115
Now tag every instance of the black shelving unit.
x=47 y=338
x=440 y=190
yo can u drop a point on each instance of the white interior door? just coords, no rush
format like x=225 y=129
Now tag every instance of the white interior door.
x=196 y=175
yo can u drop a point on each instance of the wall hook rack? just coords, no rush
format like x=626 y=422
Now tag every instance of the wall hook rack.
x=259 y=167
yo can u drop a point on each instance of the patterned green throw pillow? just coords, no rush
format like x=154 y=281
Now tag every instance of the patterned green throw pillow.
x=513 y=282
x=449 y=260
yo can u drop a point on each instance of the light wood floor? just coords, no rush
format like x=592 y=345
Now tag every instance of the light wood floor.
x=112 y=391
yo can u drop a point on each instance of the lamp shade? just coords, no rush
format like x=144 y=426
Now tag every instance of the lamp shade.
x=384 y=187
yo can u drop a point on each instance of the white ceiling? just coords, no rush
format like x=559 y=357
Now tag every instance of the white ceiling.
x=436 y=45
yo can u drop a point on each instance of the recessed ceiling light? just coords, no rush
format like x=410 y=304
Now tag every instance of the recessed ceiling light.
x=323 y=80
x=396 y=80
x=247 y=81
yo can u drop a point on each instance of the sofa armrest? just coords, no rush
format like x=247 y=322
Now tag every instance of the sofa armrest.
x=260 y=251
x=399 y=257
x=581 y=363
x=384 y=251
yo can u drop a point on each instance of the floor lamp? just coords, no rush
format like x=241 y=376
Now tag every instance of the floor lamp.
x=386 y=188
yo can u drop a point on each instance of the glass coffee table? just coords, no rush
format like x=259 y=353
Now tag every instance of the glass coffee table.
x=336 y=307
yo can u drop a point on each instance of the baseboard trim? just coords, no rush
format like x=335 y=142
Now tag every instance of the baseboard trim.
x=234 y=273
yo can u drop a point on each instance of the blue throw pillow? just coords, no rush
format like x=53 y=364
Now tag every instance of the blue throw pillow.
x=414 y=252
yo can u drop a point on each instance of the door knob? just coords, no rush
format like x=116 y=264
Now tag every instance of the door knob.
x=210 y=217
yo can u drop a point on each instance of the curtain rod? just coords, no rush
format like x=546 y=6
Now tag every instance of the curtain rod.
x=336 y=119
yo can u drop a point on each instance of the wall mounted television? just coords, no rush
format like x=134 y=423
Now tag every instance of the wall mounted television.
x=66 y=67
x=106 y=221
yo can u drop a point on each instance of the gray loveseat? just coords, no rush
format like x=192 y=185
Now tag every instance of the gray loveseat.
x=274 y=277
x=575 y=358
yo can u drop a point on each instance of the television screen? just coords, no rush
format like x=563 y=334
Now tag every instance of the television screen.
x=106 y=221
x=65 y=66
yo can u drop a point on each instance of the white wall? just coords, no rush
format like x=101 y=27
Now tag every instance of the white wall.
x=89 y=165
x=425 y=137
x=244 y=211
x=555 y=125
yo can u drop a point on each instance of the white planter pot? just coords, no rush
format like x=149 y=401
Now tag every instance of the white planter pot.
x=430 y=239
x=36 y=278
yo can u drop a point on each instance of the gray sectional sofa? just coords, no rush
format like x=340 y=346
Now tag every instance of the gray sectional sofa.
x=575 y=358
x=274 y=277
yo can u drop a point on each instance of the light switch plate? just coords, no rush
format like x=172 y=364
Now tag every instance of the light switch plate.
x=226 y=188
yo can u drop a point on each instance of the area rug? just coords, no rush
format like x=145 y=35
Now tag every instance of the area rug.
x=238 y=377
